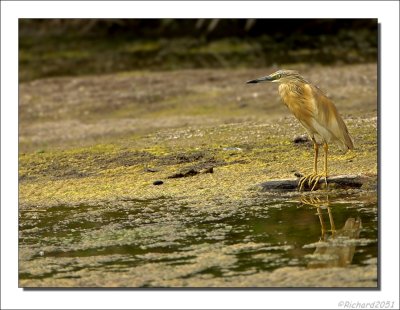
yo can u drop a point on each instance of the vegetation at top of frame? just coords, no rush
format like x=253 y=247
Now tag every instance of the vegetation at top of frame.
x=71 y=47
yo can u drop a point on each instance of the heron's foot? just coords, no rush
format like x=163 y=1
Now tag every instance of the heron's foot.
x=312 y=180
x=303 y=180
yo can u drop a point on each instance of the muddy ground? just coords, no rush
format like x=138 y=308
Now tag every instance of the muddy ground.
x=200 y=137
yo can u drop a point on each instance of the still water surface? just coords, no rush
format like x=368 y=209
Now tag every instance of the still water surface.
x=171 y=243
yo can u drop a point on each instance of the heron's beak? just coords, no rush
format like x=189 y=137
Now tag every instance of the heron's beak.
x=261 y=79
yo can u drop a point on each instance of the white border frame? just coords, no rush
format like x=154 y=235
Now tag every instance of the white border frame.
x=13 y=297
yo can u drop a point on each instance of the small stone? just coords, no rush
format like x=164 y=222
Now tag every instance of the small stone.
x=208 y=170
x=301 y=139
x=151 y=169
x=298 y=174
x=238 y=149
x=158 y=182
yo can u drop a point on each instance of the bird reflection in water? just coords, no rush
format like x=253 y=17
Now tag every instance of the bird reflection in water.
x=336 y=247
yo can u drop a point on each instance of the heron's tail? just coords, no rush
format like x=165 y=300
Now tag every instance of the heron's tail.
x=345 y=144
x=345 y=139
x=348 y=142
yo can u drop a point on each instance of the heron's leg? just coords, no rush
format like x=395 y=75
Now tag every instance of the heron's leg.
x=315 y=171
x=326 y=163
x=333 y=228
x=321 y=220
x=315 y=156
x=317 y=177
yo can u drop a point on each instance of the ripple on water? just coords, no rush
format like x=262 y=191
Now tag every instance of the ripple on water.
x=173 y=243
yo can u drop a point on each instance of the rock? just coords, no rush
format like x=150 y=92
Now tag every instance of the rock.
x=207 y=170
x=339 y=181
x=193 y=170
x=184 y=173
x=147 y=169
x=158 y=182
x=237 y=149
x=301 y=139
x=298 y=174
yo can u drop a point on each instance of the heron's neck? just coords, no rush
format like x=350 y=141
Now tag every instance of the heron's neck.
x=290 y=89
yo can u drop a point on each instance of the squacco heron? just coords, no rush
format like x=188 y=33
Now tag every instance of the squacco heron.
x=316 y=112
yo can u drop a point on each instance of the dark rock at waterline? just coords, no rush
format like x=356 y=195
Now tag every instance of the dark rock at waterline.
x=339 y=181
x=158 y=182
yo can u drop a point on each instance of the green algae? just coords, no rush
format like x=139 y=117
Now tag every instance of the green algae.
x=107 y=171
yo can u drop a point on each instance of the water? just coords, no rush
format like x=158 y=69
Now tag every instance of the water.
x=158 y=243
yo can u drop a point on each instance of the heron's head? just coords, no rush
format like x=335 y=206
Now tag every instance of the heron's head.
x=280 y=76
